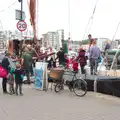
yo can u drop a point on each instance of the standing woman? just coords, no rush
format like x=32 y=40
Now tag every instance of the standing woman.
x=82 y=59
x=5 y=65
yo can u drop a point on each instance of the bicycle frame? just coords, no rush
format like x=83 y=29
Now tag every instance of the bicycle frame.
x=74 y=75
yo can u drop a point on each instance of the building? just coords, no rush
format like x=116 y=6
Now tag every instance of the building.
x=2 y=40
x=101 y=42
x=53 y=39
x=60 y=38
x=74 y=45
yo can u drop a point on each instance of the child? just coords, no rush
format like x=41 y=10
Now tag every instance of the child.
x=11 y=82
x=18 y=79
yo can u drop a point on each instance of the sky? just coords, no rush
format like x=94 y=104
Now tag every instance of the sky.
x=53 y=15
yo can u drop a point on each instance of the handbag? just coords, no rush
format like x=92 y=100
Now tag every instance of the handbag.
x=3 y=72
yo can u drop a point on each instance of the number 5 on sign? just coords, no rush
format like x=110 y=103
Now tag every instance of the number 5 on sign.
x=21 y=25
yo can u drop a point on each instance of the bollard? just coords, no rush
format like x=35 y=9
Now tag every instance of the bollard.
x=95 y=85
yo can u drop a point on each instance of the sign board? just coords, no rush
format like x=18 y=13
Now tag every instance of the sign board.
x=18 y=15
x=21 y=25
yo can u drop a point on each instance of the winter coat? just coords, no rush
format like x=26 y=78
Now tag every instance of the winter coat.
x=81 y=57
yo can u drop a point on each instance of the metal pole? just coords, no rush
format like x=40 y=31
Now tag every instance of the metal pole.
x=21 y=19
x=21 y=8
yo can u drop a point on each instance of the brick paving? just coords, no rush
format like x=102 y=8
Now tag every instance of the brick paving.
x=40 y=105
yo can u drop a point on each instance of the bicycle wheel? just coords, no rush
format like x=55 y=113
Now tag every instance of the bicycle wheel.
x=80 y=87
x=58 y=87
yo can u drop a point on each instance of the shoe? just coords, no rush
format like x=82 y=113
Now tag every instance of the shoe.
x=5 y=92
x=21 y=94
x=11 y=93
x=16 y=94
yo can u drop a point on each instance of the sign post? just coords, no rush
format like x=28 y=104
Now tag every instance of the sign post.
x=18 y=15
x=21 y=26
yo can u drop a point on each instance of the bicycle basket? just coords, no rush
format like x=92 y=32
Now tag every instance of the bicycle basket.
x=56 y=74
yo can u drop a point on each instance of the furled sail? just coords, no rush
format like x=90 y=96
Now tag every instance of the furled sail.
x=32 y=11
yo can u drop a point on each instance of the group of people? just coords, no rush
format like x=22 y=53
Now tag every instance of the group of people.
x=93 y=55
x=14 y=75
x=17 y=67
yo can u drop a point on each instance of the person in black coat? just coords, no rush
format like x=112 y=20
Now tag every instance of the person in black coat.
x=5 y=64
x=18 y=79
x=61 y=57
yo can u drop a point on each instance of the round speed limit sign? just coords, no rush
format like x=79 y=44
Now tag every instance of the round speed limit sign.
x=21 y=25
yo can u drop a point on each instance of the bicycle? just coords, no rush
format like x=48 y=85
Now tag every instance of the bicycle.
x=74 y=85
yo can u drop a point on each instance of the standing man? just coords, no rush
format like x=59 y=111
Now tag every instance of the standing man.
x=107 y=47
x=26 y=62
x=61 y=57
x=90 y=39
x=33 y=53
x=90 y=43
x=94 y=56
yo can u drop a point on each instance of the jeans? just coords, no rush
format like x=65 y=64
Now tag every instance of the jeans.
x=31 y=69
x=11 y=88
x=27 y=73
x=93 y=65
x=4 y=85
x=20 y=88
x=82 y=69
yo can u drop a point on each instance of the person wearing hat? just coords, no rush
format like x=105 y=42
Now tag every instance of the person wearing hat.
x=82 y=59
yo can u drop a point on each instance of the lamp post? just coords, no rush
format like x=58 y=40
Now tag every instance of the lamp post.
x=21 y=1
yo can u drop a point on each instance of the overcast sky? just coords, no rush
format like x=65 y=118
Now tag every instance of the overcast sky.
x=53 y=15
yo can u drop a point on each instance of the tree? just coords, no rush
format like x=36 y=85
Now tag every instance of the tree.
x=84 y=42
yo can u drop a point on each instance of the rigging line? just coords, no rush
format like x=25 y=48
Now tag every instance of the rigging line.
x=9 y=6
x=1 y=25
x=89 y=28
x=90 y=22
x=115 y=32
x=95 y=7
x=111 y=44
x=86 y=28
x=92 y=16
